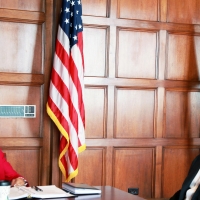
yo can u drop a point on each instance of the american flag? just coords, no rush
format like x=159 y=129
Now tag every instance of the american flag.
x=65 y=104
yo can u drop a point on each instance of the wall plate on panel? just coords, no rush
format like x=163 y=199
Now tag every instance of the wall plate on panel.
x=13 y=111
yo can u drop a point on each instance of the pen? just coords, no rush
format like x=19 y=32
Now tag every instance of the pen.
x=38 y=189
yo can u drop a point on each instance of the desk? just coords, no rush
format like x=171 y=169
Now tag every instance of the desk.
x=108 y=193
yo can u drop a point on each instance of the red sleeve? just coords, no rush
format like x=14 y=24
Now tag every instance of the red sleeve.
x=7 y=171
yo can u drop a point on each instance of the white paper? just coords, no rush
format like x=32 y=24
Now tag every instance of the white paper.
x=48 y=192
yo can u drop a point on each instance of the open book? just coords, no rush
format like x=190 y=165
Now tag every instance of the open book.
x=80 y=188
x=49 y=191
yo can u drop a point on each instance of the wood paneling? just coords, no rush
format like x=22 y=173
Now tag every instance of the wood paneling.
x=133 y=9
x=95 y=65
x=96 y=111
x=136 y=54
x=33 y=5
x=95 y=163
x=151 y=76
x=183 y=11
x=26 y=162
x=95 y=7
x=176 y=163
x=138 y=120
x=23 y=43
x=182 y=114
x=21 y=127
x=21 y=79
x=128 y=168
x=185 y=65
x=22 y=16
x=141 y=91
x=26 y=52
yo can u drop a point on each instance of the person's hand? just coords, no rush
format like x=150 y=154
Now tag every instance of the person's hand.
x=18 y=182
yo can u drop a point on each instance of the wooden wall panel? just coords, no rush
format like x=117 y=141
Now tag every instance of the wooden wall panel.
x=137 y=67
x=176 y=163
x=133 y=9
x=29 y=162
x=95 y=7
x=95 y=65
x=96 y=111
x=138 y=120
x=26 y=60
x=94 y=172
x=33 y=5
x=135 y=58
x=182 y=114
x=21 y=127
x=183 y=11
x=152 y=85
x=186 y=64
x=129 y=170
x=22 y=47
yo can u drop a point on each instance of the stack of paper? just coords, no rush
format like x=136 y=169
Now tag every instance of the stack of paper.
x=49 y=191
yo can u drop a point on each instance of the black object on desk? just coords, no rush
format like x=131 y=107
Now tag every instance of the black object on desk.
x=37 y=188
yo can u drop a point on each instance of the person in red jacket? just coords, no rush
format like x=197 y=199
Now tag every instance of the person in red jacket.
x=8 y=173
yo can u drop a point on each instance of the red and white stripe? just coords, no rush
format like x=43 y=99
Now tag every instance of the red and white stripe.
x=65 y=103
